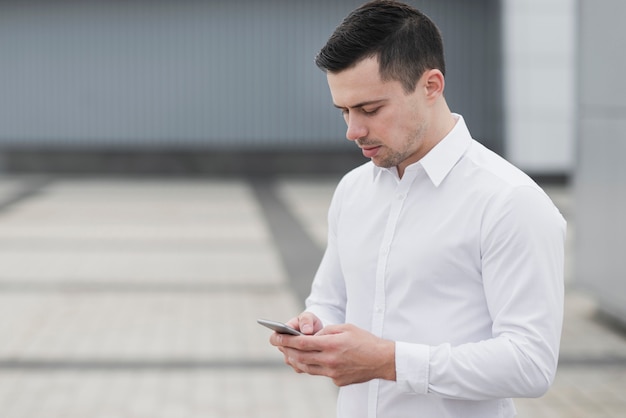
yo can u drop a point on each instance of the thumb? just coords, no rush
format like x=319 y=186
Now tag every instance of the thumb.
x=309 y=323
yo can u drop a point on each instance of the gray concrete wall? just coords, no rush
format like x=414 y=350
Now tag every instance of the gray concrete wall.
x=600 y=179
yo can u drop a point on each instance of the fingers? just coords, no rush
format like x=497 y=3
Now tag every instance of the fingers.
x=300 y=353
x=344 y=353
x=289 y=341
x=302 y=361
x=306 y=322
x=301 y=343
x=309 y=323
x=294 y=323
x=335 y=329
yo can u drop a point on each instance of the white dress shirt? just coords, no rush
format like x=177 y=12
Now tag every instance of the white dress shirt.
x=460 y=262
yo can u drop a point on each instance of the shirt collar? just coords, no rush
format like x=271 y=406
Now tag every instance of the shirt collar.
x=442 y=158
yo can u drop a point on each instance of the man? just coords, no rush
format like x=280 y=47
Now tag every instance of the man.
x=440 y=293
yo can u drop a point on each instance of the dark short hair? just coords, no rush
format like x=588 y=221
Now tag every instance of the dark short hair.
x=405 y=41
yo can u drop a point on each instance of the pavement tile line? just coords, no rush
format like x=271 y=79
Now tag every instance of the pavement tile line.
x=300 y=254
x=26 y=190
x=77 y=287
x=593 y=361
x=118 y=365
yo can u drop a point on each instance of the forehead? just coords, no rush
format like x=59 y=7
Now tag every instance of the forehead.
x=361 y=83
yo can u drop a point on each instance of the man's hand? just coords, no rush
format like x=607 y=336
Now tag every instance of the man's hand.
x=345 y=353
x=306 y=323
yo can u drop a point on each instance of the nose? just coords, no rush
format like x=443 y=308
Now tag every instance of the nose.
x=356 y=128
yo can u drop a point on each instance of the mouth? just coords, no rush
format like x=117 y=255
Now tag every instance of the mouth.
x=370 y=151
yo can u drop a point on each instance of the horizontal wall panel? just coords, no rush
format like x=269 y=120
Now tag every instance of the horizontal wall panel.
x=198 y=74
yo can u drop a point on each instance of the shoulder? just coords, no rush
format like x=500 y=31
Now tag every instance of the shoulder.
x=492 y=176
x=486 y=176
x=509 y=193
x=496 y=171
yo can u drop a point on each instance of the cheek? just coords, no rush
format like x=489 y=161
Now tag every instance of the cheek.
x=398 y=129
x=387 y=127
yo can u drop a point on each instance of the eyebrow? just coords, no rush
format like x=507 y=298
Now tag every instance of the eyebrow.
x=362 y=104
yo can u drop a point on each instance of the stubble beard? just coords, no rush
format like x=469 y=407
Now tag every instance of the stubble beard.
x=393 y=158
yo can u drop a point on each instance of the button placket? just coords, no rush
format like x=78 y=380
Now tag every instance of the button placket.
x=378 y=314
x=395 y=210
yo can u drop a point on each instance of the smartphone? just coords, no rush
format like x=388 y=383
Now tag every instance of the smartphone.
x=279 y=327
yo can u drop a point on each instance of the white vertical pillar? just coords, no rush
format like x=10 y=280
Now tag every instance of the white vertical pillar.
x=539 y=81
x=600 y=180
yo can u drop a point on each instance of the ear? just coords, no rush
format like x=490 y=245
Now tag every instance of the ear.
x=434 y=82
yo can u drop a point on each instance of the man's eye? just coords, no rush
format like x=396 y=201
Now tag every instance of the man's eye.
x=369 y=111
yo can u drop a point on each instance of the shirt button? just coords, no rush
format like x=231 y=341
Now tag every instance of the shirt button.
x=400 y=196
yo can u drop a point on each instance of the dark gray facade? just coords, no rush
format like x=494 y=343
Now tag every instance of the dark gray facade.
x=207 y=75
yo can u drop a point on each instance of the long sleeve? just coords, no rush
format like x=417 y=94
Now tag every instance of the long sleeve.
x=328 y=293
x=522 y=253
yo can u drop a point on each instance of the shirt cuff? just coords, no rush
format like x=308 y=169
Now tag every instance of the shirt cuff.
x=412 y=367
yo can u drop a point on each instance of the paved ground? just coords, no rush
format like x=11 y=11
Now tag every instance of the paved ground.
x=132 y=298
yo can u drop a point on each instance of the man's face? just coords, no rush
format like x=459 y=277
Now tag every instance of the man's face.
x=388 y=125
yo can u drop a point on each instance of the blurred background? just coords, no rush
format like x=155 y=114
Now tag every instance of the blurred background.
x=163 y=80
x=165 y=170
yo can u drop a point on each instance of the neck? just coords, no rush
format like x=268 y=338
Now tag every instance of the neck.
x=441 y=123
